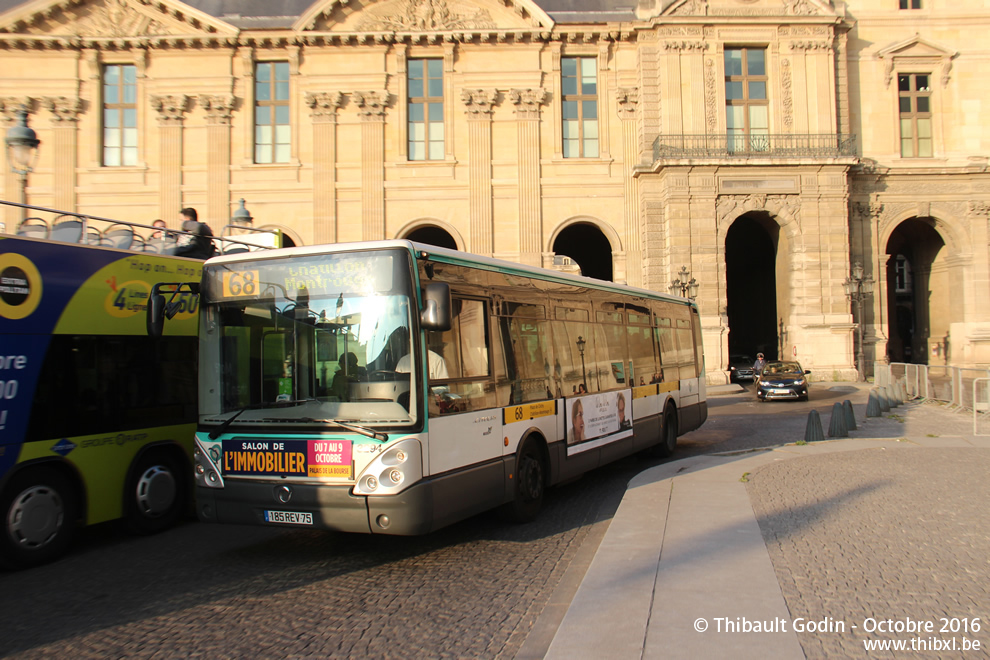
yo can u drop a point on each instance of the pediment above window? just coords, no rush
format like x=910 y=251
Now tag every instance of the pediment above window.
x=422 y=16
x=916 y=53
x=113 y=19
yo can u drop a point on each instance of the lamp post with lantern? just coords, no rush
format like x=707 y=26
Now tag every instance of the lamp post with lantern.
x=858 y=287
x=22 y=152
x=685 y=285
x=584 y=374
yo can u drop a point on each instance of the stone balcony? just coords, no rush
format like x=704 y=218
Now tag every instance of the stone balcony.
x=765 y=146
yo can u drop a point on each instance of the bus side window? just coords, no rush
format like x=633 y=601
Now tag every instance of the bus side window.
x=524 y=333
x=466 y=384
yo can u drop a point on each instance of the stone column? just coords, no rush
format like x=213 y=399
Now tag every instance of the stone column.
x=628 y=100
x=371 y=107
x=171 y=110
x=65 y=113
x=478 y=105
x=324 y=107
x=218 y=111
x=528 y=102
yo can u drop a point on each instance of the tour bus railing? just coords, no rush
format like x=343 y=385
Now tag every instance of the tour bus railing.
x=964 y=388
x=86 y=229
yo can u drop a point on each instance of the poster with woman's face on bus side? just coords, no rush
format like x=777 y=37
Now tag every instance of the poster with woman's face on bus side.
x=597 y=419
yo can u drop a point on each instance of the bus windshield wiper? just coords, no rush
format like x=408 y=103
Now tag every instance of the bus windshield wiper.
x=363 y=430
x=217 y=432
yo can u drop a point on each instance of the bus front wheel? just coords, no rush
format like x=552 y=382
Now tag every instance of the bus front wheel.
x=39 y=518
x=530 y=484
x=155 y=493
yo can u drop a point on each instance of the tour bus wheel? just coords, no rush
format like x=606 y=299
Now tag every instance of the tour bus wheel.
x=155 y=494
x=39 y=518
x=668 y=434
x=529 y=486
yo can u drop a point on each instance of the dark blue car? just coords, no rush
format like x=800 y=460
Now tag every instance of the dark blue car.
x=783 y=380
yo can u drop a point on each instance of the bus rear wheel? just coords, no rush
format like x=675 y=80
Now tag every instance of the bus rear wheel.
x=39 y=517
x=530 y=484
x=155 y=493
x=668 y=434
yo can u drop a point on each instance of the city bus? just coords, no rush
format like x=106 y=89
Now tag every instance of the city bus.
x=96 y=417
x=393 y=387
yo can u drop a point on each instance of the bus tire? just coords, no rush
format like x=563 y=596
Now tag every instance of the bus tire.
x=668 y=433
x=155 y=494
x=39 y=511
x=529 y=484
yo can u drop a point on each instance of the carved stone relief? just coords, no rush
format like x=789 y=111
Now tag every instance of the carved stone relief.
x=786 y=208
x=479 y=101
x=119 y=18
x=787 y=99
x=171 y=108
x=324 y=104
x=528 y=102
x=424 y=16
x=627 y=99
x=371 y=104
x=9 y=105
x=218 y=107
x=711 y=96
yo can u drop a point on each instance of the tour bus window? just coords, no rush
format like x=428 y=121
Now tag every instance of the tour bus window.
x=108 y=384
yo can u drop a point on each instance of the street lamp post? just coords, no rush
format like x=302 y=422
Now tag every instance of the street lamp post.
x=858 y=287
x=22 y=152
x=584 y=374
x=242 y=216
x=685 y=286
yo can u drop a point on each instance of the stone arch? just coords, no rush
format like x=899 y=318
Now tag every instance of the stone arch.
x=783 y=213
x=424 y=223
x=613 y=236
x=580 y=235
x=919 y=317
x=287 y=233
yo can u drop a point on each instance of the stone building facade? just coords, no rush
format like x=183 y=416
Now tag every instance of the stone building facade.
x=764 y=145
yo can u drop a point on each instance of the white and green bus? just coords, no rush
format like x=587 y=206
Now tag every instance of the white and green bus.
x=394 y=387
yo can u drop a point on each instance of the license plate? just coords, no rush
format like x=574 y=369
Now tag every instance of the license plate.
x=781 y=391
x=289 y=517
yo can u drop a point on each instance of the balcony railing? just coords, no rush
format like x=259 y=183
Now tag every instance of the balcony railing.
x=765 y=145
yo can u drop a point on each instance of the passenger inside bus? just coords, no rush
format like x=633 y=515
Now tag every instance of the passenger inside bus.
x=347 y=373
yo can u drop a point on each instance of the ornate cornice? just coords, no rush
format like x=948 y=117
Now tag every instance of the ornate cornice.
x=479 y=102
x=9 y=105
x=528 y=101
x=811 y=44
x=171 y=108
x=63 y=108
x=324 y=105
x=371 y=105
x=218 y=107
x=686 y=45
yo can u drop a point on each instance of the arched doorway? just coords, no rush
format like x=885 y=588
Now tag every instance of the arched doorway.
x=589 y=247
x=751 y=248
x=917 y=294
x=432 y=235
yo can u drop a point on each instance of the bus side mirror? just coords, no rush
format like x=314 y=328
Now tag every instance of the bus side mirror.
x=436 y=307
x=155 y=318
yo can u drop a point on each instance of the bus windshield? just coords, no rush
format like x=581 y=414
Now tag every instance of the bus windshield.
x=308 y=340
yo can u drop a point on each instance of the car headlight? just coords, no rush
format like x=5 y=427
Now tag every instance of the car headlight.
x=799 y=382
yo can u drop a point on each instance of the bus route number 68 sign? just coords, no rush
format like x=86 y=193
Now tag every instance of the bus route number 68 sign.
x=240 y=284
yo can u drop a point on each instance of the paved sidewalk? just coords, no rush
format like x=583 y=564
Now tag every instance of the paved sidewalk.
x=889 y=524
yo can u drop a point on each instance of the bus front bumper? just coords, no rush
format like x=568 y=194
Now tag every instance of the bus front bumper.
x=334 y=508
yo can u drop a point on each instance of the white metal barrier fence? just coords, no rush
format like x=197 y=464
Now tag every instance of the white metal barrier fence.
x=962 y=388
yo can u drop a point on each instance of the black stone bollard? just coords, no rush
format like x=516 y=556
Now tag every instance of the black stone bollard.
x=813 y=432
x=873 y=404
x=837 y=424
x=847 y=406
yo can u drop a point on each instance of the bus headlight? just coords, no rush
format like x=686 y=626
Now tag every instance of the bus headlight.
x=392 y=471
x=206 y=465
